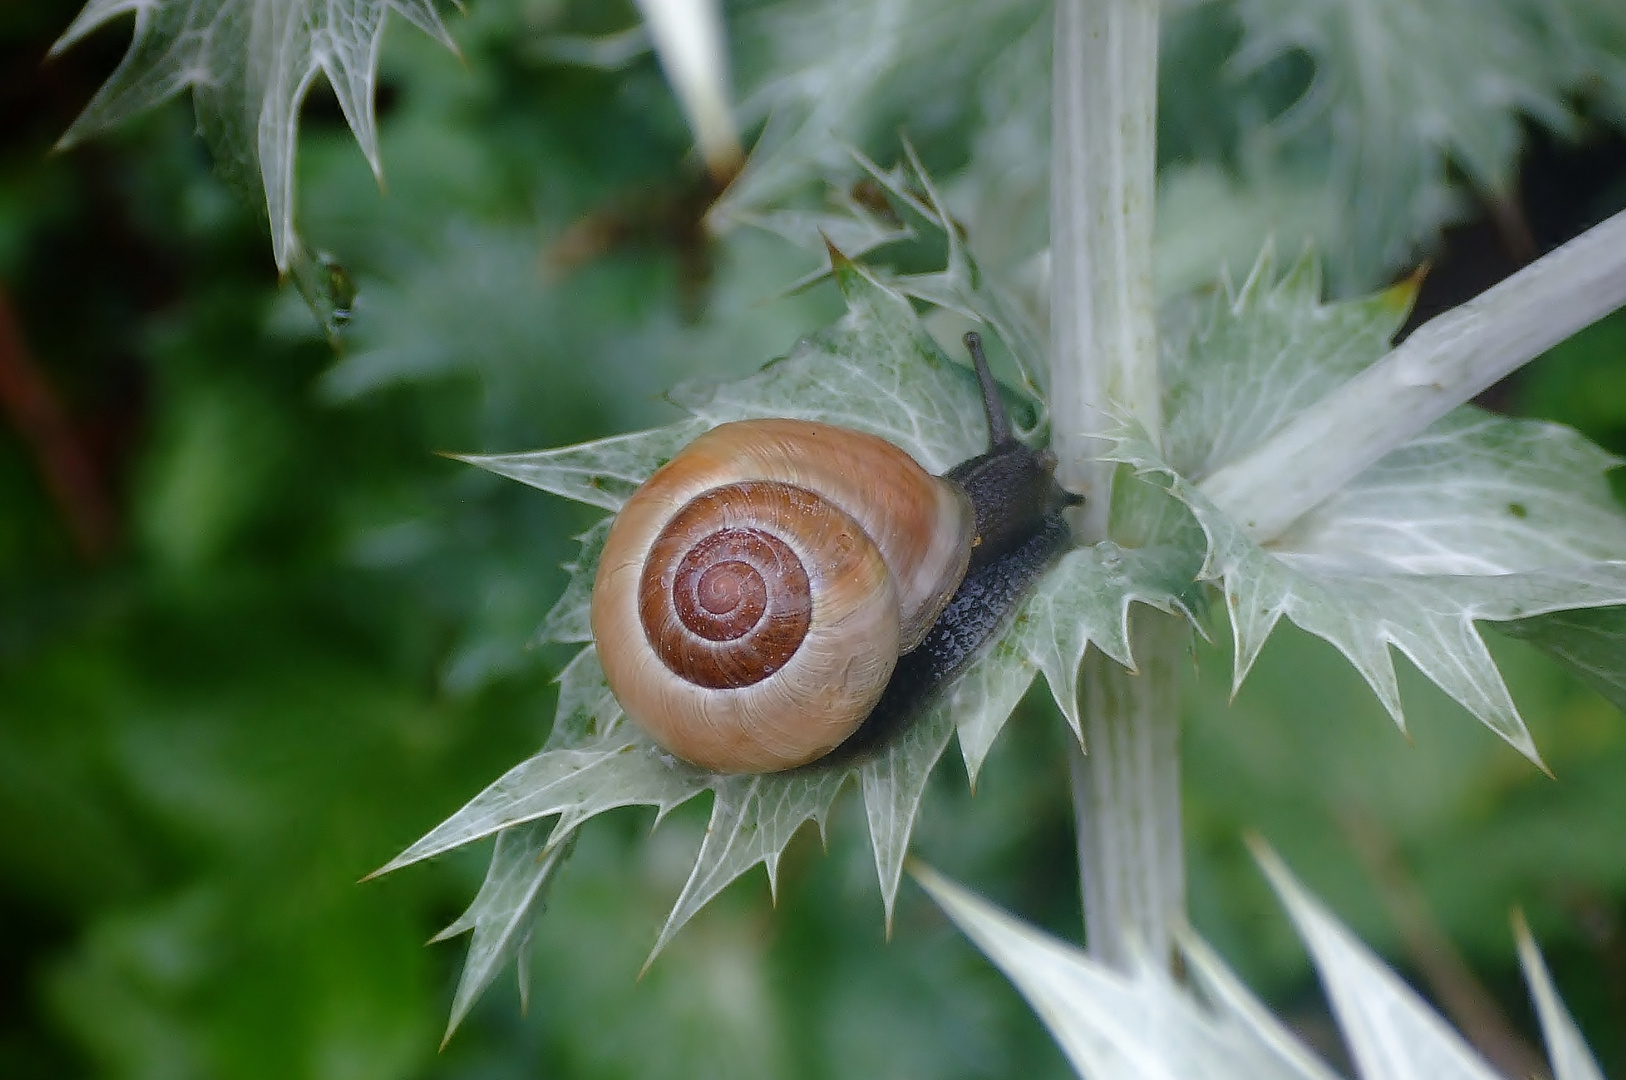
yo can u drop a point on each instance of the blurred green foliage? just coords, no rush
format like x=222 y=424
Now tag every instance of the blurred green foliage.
x=305 y=643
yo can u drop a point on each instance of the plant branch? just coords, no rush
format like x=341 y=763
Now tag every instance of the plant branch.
x=1443 y=364
x=1126 y=792
x=1102 y=312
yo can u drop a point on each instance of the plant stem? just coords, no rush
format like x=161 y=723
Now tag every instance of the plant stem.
x=1126 y=791
x=1443 y=364
x=1103 y=146
x=693 y=50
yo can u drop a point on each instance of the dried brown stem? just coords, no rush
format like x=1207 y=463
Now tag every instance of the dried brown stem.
x=32 y=407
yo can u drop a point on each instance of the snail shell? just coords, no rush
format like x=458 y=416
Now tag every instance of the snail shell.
x=754 y=595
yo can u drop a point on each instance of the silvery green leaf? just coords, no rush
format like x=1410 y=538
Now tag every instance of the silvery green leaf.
x=961 y=286
x=568 y=620
x=1260 y=354
x=983 y=698
x=249 y=64
x=1593 y=642
x=1086 y=601
x=1479 y=518
x=1392 y=1034
x=1568 y=1052
x=894 y=781
x=600 y=473
x=1114 y=1025
x=752 y=820
x=620 y=768
x=1218 y=985
x=1374 y=62
x=587 y=712
x=511 y=898
x=1083 y=600
x=875 y=370
x=1363 y=609
x=918 y=207
x=1474 y=494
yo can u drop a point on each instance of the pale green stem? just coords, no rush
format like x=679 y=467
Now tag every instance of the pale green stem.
x=1102 y=326
x=1443 y=364
x=1126 y=791
x=692 y=46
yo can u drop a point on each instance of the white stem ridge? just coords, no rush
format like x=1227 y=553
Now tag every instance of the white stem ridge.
x=1102 y=313
x=1126 y=791
x=1443 y=364
x=1126 y=794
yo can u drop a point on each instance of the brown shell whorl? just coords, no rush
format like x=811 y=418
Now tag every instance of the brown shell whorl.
x=723 y=601
x=755 y=593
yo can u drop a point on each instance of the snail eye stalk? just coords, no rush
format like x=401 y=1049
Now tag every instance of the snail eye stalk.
x=999 y=421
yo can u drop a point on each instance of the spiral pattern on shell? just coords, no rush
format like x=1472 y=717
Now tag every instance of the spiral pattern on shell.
x=755 y=593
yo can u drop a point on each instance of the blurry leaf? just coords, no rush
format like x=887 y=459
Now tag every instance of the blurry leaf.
x=839 y=74
x=1568 y=1052
x=1400 y=90
x=1476 y=519
x=1138 y=1025
x=1592 y=641
x=511 y=898
x=1391 y=1032
x=1594 y=37
x=688 y=37
x=326 y=287
x=249 y=64
x=208 y=474
x=1209 y=221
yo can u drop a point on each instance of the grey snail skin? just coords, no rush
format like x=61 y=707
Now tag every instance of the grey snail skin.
x=782 y=590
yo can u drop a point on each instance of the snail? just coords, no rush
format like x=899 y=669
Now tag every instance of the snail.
x=784 y=588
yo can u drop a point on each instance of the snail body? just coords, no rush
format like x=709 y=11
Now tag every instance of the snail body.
x=755 y=595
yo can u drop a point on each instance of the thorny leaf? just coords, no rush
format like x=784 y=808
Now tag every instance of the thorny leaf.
x=1567 y=1051
x=1478 y=518
x=1139 y=1024
x=875 y=370
x=505 y=910
x=249 y=64
x=1135 y=1025
x=1480 y=65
